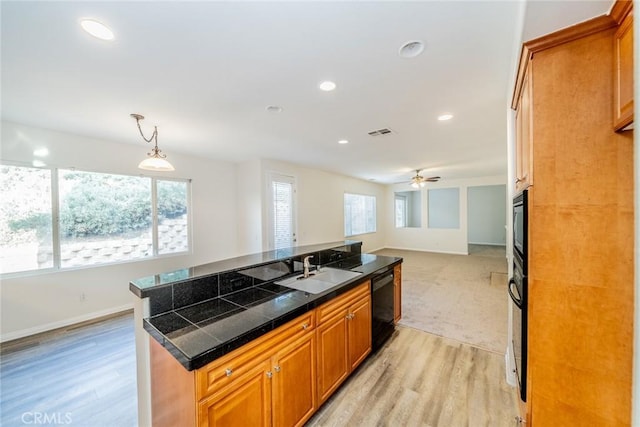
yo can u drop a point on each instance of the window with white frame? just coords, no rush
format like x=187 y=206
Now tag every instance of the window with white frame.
x=401 y=210
x=359 y=214
x=101 y=218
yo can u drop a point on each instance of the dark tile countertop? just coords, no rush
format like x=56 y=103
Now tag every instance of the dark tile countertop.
x=140 y=287
x=202 y=332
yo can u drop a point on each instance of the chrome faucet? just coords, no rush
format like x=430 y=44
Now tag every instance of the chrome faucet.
x=305 y=266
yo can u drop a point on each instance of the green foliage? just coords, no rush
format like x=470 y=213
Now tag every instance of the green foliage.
x=172 y=196
x=91 y=204
x=102 y=205
x=41 y=222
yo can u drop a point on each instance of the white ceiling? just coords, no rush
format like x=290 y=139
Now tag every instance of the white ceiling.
x=204 y=73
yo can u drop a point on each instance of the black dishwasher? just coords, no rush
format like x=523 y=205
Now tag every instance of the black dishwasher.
x=382 y=299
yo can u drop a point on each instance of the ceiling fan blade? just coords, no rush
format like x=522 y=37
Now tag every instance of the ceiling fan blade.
x=432 y=179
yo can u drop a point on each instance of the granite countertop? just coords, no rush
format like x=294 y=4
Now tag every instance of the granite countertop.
x=200 y=333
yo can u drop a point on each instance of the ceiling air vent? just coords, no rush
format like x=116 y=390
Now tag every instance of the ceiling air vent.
x=378 y=132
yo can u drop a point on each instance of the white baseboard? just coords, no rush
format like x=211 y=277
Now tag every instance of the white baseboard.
x=509 y=366
x=426 y=250
x=487 y=244
x=63 y=323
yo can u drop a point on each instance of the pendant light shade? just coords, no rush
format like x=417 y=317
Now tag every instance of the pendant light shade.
x=156 y=160
x=156 y=163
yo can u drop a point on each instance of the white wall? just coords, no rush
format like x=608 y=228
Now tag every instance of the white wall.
x=430 y=239
x=487 y=214
x=250 y=207
x=36 y=302
x=320 y=204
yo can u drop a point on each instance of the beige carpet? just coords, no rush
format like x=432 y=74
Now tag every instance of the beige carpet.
x=457 y=296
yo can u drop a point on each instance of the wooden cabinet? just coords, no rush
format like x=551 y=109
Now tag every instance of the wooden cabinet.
x=623 y=73
x=343 y=336
x=270 y=381
x=397 y=293
x=246 y=400
x=278 y=391
x=581 y=222
x=275 y=380
x=294 y=382
x=523 y=168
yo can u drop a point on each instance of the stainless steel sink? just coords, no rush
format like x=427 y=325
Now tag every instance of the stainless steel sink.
x=318 y=282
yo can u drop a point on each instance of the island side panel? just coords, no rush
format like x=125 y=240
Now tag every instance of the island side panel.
x=173 y=397
x=140 y=312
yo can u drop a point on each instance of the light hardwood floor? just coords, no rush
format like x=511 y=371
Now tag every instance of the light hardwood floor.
x=420 y=379
x=80 y=376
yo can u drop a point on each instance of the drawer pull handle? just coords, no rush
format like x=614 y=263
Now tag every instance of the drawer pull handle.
x=228 y=372
x=277 y=368
x=305 y=326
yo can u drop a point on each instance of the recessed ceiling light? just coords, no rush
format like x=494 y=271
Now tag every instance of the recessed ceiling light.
x=445 y=117
x=41 y=152
x=97 y=29
x=343 y=141
x=411 y=49
x=274 y=109
x=327 y=86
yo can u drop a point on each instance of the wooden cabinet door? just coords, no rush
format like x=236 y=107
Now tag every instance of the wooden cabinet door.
x=294 y=382
x=246 y=401
x=397 y=293
x=623 y=74
x=333 y=358
x=359 y=326
x=523 y=136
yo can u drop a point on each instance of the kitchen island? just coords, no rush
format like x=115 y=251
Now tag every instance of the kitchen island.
x=219 y=330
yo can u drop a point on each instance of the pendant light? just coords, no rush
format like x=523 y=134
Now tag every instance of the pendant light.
x=156 y=160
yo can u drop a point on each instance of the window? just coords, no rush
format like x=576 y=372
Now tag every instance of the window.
x=172 y=207
x=359 y=214
x=282 y=211
x=401 y=211
x=26 y=229
x=101 y=218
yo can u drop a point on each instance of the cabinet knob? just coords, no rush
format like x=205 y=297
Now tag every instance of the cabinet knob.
x=269 y=374
x=305 y=326
x=228 y=372
x=277 y=368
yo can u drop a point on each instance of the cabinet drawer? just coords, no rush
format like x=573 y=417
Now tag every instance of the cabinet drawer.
x=223 y=371
x=330 y=309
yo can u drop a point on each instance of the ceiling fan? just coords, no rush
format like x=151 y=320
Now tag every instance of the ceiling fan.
x=418 y=180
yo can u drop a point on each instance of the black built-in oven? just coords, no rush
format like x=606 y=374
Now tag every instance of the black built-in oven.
x=519 y=288
x=518 y=291
x=382 y=300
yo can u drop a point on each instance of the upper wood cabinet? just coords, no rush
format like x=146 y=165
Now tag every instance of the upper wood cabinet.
x=623 y=74
x=524 y=170
x=343 y=337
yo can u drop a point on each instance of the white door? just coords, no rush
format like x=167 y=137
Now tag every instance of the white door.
x=282 y=224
